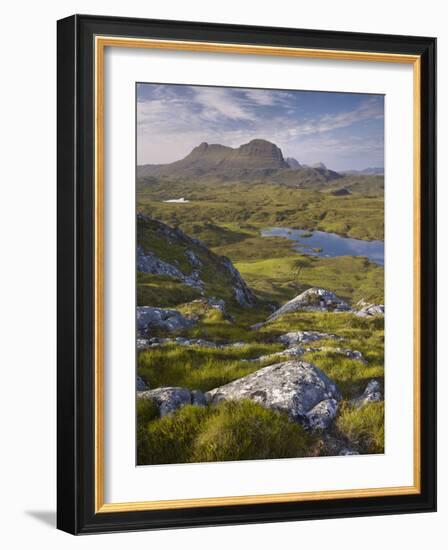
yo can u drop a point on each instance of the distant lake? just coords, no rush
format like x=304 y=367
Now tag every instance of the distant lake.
x=331 y=244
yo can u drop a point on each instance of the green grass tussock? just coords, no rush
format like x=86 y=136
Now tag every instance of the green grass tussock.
x=170 y=439
x=363 y=427
x=146 y=411
x=243 y=430
x=228 y=431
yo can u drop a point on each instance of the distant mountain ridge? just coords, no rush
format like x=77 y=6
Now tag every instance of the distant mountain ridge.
x=371 y=171
x=258 y=160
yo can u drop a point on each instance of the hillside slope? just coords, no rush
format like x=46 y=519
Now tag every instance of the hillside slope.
x=173 y=266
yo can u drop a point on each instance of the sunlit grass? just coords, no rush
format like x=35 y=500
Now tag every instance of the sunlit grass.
x=239 y=430
x=363 y=427
x=199 y=367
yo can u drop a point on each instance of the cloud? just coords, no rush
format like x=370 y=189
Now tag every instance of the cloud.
x=221 y=103
x=172 y=119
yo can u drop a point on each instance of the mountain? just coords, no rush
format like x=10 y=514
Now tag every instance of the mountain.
x=375 y=171
x=174 y=266
x=258 y=160
x=319 y=165
x=293 y=163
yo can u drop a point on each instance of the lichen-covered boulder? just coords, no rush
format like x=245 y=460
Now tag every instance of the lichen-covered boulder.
x=372 y=394
x=313 y=299
x=156 y=317
x=304 y=336
x=294 y=387
x=141 y=384
x=171 y=398
x=321 y=416
x=370 y=310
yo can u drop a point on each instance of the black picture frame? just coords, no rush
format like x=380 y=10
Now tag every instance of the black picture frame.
x=76 y=263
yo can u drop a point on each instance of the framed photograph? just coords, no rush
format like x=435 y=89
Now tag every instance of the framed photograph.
x=246 y=267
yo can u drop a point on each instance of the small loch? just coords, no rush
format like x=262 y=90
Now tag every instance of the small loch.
x=321 y=243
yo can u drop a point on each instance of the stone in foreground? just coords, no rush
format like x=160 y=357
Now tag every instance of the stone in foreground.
x=313 y=299
x=297 y=388
x=170 y=399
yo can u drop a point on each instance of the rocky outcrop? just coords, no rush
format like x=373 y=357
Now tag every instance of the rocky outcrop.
x=297 y=351
x=297 y=388
x=304 y=336
x=364 y=309
x=141 y=384
x=144 y=343
x=188 y=261
x=372 y=394
x=313 y=299
x=192 y=258
x=170 y=399
x=147 y=262
x=149 y=318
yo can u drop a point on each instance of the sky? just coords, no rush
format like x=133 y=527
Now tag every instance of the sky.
x=343 y=130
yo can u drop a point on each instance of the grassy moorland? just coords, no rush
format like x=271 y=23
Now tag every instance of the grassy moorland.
x=358 y=215
x=228 y=218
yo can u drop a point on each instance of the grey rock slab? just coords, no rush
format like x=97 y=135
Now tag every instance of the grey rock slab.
x=148 y=262
x=168 y=319
x=364 y=309
x=141 y=385
x=297 y=351
x=147 y=343
x=171 y=398
x=303 y=336
x=313 y=299
x=322 y=415
x=198 y=398
x=294 y=387
x=371 y=394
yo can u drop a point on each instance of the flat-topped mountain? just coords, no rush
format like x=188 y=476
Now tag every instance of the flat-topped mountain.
x=258 y=160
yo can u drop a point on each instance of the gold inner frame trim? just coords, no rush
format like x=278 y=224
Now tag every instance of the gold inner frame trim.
x=101 y=42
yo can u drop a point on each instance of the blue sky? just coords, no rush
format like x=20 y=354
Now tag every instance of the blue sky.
x=344 y=131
